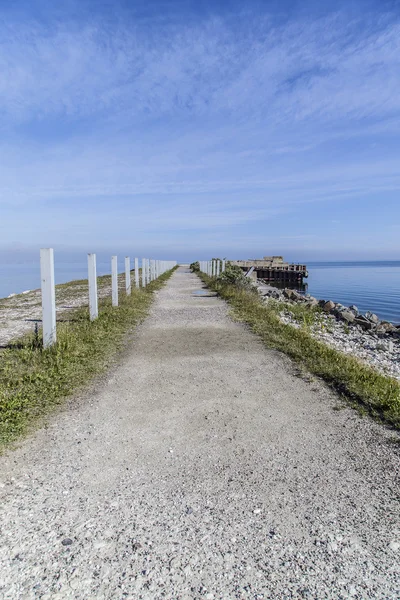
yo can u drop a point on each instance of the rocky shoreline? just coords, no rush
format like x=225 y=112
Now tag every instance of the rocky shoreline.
x=344 y=328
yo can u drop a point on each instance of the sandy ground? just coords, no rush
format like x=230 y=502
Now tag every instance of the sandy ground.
x=202 y=466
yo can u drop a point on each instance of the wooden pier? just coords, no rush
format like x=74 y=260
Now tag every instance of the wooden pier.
x=274 y=270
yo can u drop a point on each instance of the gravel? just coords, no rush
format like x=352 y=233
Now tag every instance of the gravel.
x=379 y=350
x=202 y=466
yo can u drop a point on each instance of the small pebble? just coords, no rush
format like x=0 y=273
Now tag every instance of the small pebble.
x=66 y=542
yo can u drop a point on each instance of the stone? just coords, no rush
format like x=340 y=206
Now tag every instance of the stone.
x=372 y=317
x=312 y=302
x=288 y=293
x=385 y=327
x=347 y=316
x=66 y=542
x=329 y=306
x=364 y=323
x=395 y=546
x=353 y=308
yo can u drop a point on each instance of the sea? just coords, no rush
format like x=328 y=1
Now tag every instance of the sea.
x=373 y=285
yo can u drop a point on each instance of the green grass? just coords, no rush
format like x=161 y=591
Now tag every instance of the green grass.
x=34 y=380
x=353 y=379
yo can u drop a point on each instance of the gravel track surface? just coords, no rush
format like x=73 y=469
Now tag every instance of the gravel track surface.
x=202 y=466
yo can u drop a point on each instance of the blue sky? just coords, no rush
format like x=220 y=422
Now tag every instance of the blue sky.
x=186 y=129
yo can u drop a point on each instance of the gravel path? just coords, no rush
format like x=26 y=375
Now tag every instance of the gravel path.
x=201 y=467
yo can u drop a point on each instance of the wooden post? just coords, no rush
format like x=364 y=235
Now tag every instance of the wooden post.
x=114 y=280
x=48 y=297
x=92 y=279
x=128 y=275
x=137 y=272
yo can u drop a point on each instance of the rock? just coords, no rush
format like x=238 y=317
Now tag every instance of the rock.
x=66 y=542
x=174 y=563
x=288 y=293
x=329 y=306
x=312 y=302
x=385 y=327
x=372 y=317
x=353 y=308
x=363 y=322
x=395 y=546
x=275 y=294
x=347 y=316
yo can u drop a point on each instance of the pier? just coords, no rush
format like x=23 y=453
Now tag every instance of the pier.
x=273 y=269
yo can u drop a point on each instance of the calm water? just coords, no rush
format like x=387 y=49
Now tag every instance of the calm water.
x=369 y=285
x=17 y=278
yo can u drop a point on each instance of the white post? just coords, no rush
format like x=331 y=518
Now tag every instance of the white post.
x=143 y=272
x=114 y=280
x=217 y=273
x=92 y=279
x=48 y=297
x=148 y=270
x=223 y=265
x=128 y=275
x=137 y=272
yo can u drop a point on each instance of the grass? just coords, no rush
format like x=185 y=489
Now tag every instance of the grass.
x=34 y=380
x=353 y=379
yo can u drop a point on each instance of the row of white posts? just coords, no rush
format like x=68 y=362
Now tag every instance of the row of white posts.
x=151 y=269
x=212 y=268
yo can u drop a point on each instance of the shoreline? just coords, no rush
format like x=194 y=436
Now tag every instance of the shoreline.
x=374 y=341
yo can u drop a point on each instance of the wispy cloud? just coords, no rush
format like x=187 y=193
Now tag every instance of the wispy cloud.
x=219 y=121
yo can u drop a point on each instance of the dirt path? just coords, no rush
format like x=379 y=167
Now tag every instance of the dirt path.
x=201 y=467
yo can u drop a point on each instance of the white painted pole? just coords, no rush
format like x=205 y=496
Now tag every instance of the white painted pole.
x=152 y=270
x=48 y=297
x=217 y=267
x=148 y=270
x=114 y=280
x=143 y=272
x=137 y=272
x=92 y=279
x=223 y=265
x=128 y=275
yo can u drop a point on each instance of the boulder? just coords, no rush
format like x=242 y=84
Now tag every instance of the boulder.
x=353 y=308
x=348 y=316
x=288 y=293
x=385 y=327
x=372 y=317
x=329 y=306
x=365 y=323
x=312 y=302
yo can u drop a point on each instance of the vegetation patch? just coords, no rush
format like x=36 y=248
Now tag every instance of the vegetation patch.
x=352 y=378
x=33 y=380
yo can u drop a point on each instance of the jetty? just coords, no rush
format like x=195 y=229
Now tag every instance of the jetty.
x=273 y=269
x=201 y=466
